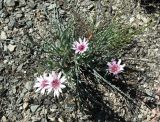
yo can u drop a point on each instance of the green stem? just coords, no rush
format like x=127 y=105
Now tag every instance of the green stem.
x=113 y=86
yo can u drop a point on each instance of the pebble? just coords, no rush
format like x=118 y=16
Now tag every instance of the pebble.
x=132 y=19
x=22 y=3
x=90 y=7
x=14 y=80
x=4 y=13
x=9 y=3
x=11 y=47
x=3 y=35
x=34 y=108
x=4 y=119
x=6 y=20
x=19 y=15
x=31 y=4
x=51 y=118
x=1 y=78
x=43 y=120
x=19 y=68
x=25 y=105
x=11 y=22
x=14 y=90
x=1 y=4
x=28 y=85
x=29 y=24
x=51 y=6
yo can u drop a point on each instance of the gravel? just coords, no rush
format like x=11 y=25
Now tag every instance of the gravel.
x=18 y=63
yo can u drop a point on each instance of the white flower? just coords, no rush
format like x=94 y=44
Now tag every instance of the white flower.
x=115 y=67
x=55 y=83
x=42 y=83
x=81 y=46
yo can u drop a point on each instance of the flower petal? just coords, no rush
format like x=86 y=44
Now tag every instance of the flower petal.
x=37 y=85
x=63 y=79
x=59 y=75
x=49 y=90
x=43 y=91
x=56 y=93
x=119 y=62
x=62 y=86
x=38 y=90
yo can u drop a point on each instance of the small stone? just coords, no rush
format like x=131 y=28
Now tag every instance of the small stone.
x=140 y=116
x=34 y=108
x=51 y=6
x=11 y=47
x=19 y=15
x=9 y=3
x=4 y=13
x=14 y=90
x=51 y=118
x=14 y=80
x=4 y=119
x=29 y=24
x=25 y=105
x=138 y=16
x=11 y=22
x=36 y=119
x=1 y=4
x=90 y=7
x=6 y=20
x=19 y=116
x=60 y=120
x=1 y=78
x=20 y=23
x=3 y=35
x=43 y=120
x=131 y=19
x=145 y=19
x=28 y=85
x=31 y=4
x=19 y=68
x=22 y=3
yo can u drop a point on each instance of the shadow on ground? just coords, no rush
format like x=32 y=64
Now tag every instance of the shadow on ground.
x=92 y=98
x=150 y=6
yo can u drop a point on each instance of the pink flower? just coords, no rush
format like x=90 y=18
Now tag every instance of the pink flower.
x=81 y=46
x=42 y=83
x=115 y=67
x=55 y=83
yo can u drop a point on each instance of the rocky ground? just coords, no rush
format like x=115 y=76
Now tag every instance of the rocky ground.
x=20 y=23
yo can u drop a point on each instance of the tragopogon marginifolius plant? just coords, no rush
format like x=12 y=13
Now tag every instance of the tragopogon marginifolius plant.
x=74 y=56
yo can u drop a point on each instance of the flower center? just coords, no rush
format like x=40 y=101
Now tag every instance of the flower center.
x=115 y=68
x=81 y=47
x=44 y=83
x=55 y=83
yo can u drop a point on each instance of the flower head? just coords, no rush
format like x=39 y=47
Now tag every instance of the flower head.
x=81 y=46
x=42 y=83
x=115 y=67
x=55 y=83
